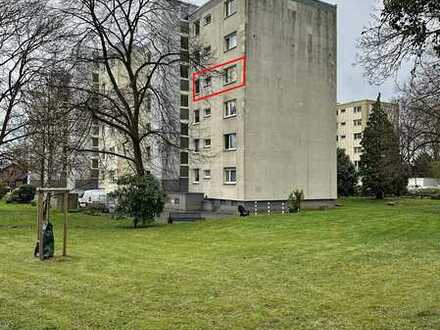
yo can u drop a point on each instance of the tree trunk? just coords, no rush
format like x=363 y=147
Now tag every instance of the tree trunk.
x=379 y=194
x=139 y=162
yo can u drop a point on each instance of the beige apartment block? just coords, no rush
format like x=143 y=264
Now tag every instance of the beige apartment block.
x=352 y=119
x=275 y=134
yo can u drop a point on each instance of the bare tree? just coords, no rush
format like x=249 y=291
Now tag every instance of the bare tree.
x=407 y=33
x=127 y=69
x=402 y=32
x=420 y=113
x=27 y=35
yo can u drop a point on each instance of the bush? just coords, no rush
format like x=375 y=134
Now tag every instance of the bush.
x=96 y=208
x=22 y=194
x=3 y=190
x=140 y=198
x=426 y=192
x=294 y=202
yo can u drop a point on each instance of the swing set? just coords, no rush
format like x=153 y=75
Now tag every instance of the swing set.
x=44 y=196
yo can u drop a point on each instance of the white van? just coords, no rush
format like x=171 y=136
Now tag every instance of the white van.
x=92 y=196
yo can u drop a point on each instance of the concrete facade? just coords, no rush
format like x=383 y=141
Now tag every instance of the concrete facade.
x=352 y=119
x=284 y=130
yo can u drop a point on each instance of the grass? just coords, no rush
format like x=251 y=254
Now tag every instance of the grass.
x=366 y=265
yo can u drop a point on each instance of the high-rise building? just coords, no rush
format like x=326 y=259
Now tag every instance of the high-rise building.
x=352 y=119
x=169 y=115
x=260 y=124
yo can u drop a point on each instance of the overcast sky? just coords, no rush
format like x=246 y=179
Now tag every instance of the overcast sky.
x=353 y=16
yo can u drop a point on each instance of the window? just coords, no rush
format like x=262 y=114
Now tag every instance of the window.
x=95 y=77
x=94 y=174
x=343 y=123
x=337 y=112
x=230 y=7
x=95 y=142
x=184 y=85
x=184 y=27
x=183 y=129
x=148 y=152
x=357 y=122
x=196 y=116
x=95 y=163
x=231 y=141
x=196 y=145
x=230 y=108
x=343 y=110
x=358 y=136
x=197 y=57
x=95 y=130
x=184 y=71
x=207 y=174
x=230 y=41
x=184 y=158
x=207 y=19
x=357 y=150
x=184 y=142
x=230 y=175
x=208 y=81
x=184 y=171
x=207 y=143
x=184 y=100
x=184 y=42
x=196 y=28
x=197 y=86
x=207 y=112
x=230 y=75
x=184 y=114
x=196 y=173
x=357 y=109
x=342 y=137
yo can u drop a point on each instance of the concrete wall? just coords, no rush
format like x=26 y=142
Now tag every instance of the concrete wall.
x=214 y=127
x=285 y=126
x=184 y=202
x=289 y=127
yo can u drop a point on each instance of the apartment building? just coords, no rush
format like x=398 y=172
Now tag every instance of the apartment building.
x=259 y=122
x=162 y=160
x=352 y=119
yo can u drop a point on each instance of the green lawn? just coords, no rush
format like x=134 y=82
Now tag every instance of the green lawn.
x=366 y=265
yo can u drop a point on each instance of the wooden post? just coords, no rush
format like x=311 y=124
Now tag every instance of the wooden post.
x=66 y=207
x=40 y=223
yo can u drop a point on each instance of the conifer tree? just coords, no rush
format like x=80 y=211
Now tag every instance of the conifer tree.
x=347 y=175
x=381 y=165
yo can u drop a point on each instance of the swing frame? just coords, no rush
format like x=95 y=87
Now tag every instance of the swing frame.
x=42 y=217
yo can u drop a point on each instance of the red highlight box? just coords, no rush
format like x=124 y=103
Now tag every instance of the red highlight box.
x=240 y=84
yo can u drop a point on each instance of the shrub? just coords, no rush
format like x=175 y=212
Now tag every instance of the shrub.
x=3 y=190
x=436 y=197
x=294 y=202
x=22 y=194
x=96 y=208
x=140 y=198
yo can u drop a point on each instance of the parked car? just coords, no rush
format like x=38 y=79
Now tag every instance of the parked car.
x=95 y=196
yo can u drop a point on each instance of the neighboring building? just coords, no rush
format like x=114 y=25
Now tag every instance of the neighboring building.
x=352 y=119
x=167 y=163
x=272 y=131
